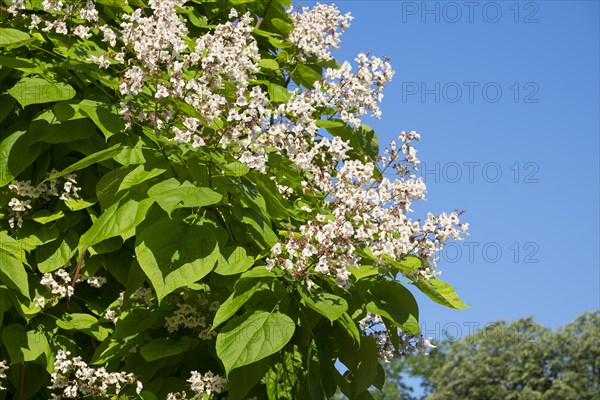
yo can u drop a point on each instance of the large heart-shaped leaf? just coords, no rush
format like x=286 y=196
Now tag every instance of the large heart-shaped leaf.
x=393 y=301
x=249 y=338
x=171 y=194
x=173 y=253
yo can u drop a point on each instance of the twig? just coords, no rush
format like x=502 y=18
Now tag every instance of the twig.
x=262 y=18
x=78 y=268
x=22 y=381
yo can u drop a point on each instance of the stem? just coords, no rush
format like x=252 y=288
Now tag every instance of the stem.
x=22 y=381
x=262 y=18
x=78 y=268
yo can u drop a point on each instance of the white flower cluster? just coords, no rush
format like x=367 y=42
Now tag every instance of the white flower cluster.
x=145 y=295
x=202 y=385
x=207 y=383
x=61 y=285
x=353 y=94
x=112 y=314
x=156 y=41
x=75 y=378
x=408 y=344
x=371 y=212
x=3 y=368
x=64 y=188
x=190 y=316
x=15 y=6
x=317 y=29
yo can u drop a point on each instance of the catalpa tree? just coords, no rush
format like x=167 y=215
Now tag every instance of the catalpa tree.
x=191 y=207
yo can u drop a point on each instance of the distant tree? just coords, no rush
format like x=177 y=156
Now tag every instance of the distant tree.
x=521 y=360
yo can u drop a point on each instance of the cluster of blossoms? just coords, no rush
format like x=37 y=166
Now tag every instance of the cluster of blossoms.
x=317 y=29
x=188 y=315
x=409 y=344
x=61 y=285
x=203 y=385
x=207 y=383
x=3 y=368
x=75 y=378
x=112 y=314
x=368 y=212
x=353 y=94
x=64 y=188
x=143 y=296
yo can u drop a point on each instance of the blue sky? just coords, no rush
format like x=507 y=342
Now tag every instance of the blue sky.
x=506 y=98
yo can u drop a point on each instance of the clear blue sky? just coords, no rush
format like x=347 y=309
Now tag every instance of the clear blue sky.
x=528 y=109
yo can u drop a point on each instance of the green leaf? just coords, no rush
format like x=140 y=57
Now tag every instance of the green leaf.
x=327 y=123
x=78 y=204
x=118 y=219
x=241 y=380
x=278 y=43
x=440 y=292
x=306 y=76
x=136 y=321
x=16 y=154
x=11 y=247
x=141 y=173
x=408 y=263
x=39 y=91
x=392 y=300
x=7 y=105
x=234 y=261
x=281 y=25
x=107 y=120
x=268 y=63
x=249 y=338
x=260 y=226
x=363 y=271
x=174 y=254
x=67 y=111
x=76 y=321
x=243 y=291
x=327 y=304
x=92 y=159
x=23 y=345
x=56 y=254
x=236 y=168
x=350 y=326
x=45 y=216
x=11 y=37
x=285 y=378
x=162 y=347
x=363 y=139
x=365 y=369
x=277 y=93
x=13 y=273
x=114 y=3
x=171 y=194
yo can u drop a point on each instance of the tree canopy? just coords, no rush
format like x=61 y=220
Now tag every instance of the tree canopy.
x=192 y=207
x=520 y=360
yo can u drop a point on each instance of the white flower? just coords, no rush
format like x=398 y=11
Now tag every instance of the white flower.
x=3 y=368
x=317 y=29
x=207 y=383
x=39 y=302
x=96 y=281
